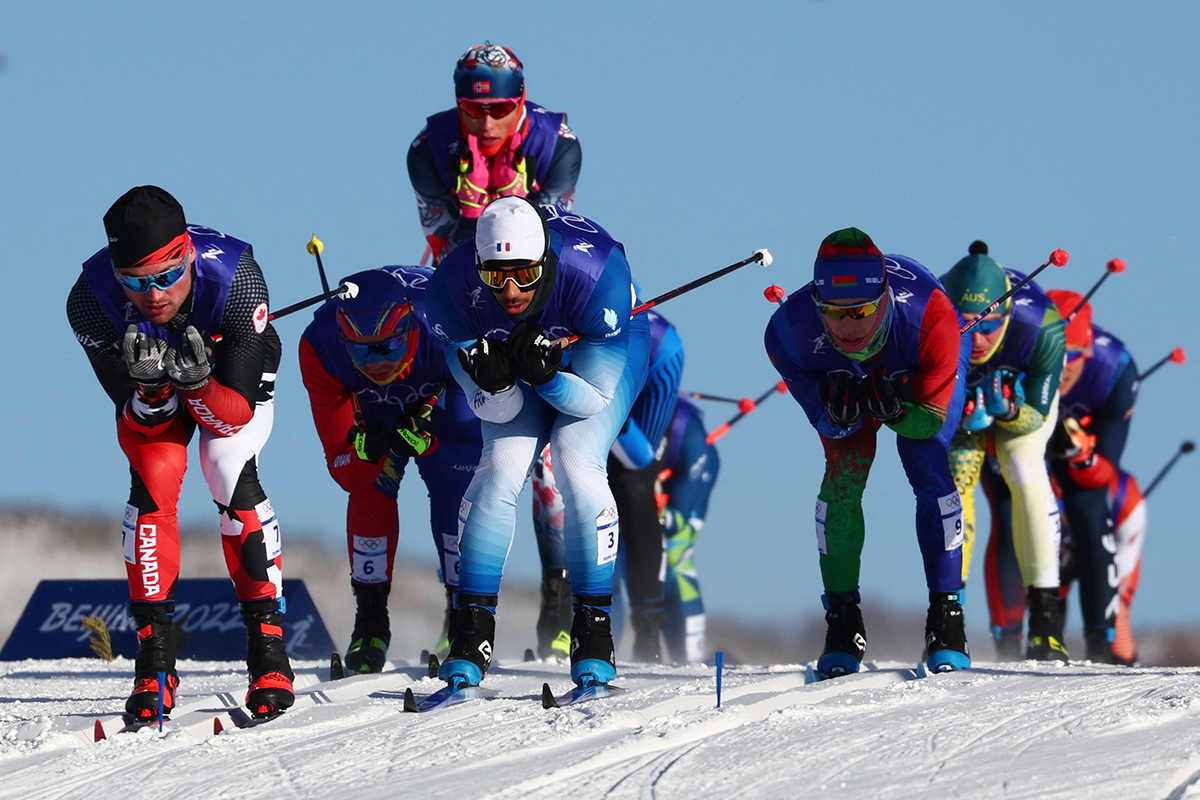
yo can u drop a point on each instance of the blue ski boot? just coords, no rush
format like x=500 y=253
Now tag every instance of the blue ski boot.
x=945 y=637
x=471 y=641
x=845 y=638
x=593 y=657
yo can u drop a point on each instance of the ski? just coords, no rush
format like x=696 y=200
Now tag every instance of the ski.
x=336 y=670
x=444 y=698
x=924 y=671
x=578 y=694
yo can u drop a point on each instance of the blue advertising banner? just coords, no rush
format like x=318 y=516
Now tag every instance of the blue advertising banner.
x=207 y=620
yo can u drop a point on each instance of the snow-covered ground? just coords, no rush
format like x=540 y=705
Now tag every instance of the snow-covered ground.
x=1023 y=730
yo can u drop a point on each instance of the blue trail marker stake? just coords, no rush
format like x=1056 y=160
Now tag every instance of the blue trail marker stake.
x=720 y=668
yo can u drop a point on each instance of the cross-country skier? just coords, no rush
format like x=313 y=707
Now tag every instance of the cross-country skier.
x=634 y=463
x=494 y=143
x=381 y=393
x=1098 y=390
x=873 y=341
x=1017 y=356
x=690 y=467
x=146 y=310
x=534 y=275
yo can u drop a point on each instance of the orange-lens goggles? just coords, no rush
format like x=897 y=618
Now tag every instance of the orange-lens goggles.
x=523 y=277
x=496 y=109
x=853 y=312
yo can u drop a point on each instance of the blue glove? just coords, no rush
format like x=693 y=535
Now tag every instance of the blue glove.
x=1003 y=394
x=975 y=413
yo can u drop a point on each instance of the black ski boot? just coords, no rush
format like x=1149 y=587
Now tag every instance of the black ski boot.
x=845 y=638
x=471 y=642
x=555 y=615
x=271 y=673
x=945 y=636
x=1010 y=643
x=593 y=657
x=156 y=654
x=372 y=632
x=1045 y=626
x=1099 y=646
x=648 y=620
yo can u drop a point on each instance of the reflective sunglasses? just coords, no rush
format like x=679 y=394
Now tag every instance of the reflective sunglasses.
x=523 y=277
x=496 y=109
x=990 y=326
x=162 y=281
x=361 y=353
x=1074 y=355
x=859 y=311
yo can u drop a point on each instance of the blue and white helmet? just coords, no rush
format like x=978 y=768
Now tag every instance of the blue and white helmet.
x=488 y=72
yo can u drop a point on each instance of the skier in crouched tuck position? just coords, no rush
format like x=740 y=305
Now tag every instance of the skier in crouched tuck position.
x=533 y=275
x=873 y=341
x=381 y=393
x=146 y=310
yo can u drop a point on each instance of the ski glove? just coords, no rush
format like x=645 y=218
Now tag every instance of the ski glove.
x=143 y=358
x=534 y=357
x=410 y=439
x=842 y=397
x=486 y=363
x=1071 y=443
x=188 y=364
x=884 y=399
x=975 y=416
x=371 y=440
x=1003 y=394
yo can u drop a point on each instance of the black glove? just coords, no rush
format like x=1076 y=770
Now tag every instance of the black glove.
x=534 y=357
x=842 y=397
x=188 y=364
x=143 y=358
x=487 y=364
x=885 y=401
x=371 y=440
x=410 y=439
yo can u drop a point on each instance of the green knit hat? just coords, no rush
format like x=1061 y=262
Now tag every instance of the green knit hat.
x=976 y=282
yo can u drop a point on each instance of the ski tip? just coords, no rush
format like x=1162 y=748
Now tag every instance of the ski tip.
x=410 y=702
x=529 y=656
x=434 y=665
x=336 y=670
x=99 y=732
x=424 y=656
x=218 y=728
x=548 y=699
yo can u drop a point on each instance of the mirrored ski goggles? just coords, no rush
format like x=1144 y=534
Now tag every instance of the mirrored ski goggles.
x=859 y=311
x=990 y=326
x=387 y=350
x=523 y=277
x=496 y=109
x=162 y=281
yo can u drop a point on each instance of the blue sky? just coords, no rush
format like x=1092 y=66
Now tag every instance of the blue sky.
x=708 y=130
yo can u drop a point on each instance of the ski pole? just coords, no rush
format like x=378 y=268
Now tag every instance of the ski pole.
x=745 y=404
x=1116 y=265
x=1176 y=356
x=1058 y=258
x=315 y=246
x=761 y=255
x=1186 y=447
x=723 y=429
x=346 y=290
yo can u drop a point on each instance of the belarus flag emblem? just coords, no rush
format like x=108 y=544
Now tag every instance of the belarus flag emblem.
x=504 y=246
x=845 y=281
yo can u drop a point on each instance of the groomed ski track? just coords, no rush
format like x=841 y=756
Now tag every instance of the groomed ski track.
x=1021 y=730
